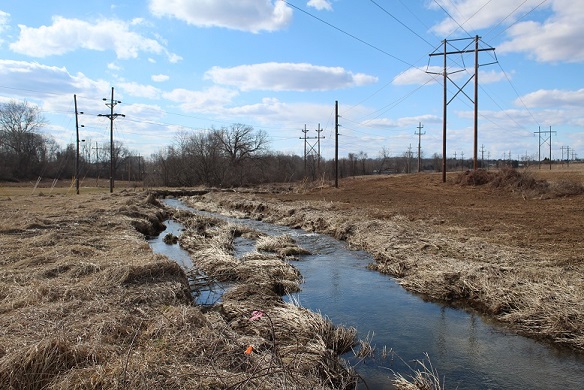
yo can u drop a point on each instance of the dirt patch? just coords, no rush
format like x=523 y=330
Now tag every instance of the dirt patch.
x=512 y=251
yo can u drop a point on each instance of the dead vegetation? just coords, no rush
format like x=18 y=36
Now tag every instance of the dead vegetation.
x=84 y=303
x=536 y=290
x=523 y=181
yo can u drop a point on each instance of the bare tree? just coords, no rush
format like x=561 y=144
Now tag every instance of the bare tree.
x=240 y=144
x=22 y=147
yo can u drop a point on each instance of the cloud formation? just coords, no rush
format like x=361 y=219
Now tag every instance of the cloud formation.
x=320 y=5
x=545 y=98
x=66 y=35
x=473 y=15
x=274 y=76
x=244 y=15
x=556 y=39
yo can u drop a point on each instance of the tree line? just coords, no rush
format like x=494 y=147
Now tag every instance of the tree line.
x=236 y=155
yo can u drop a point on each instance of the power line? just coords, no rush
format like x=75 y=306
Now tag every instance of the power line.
x=400 y=22
x=450 y=16
x=517 y=21
x=348 y=34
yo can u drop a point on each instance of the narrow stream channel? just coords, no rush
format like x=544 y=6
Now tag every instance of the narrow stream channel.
x=466 y=350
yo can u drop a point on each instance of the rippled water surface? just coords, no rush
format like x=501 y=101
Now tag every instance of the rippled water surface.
x=467 y=351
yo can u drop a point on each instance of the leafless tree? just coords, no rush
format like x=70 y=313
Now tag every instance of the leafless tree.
x=22 y=147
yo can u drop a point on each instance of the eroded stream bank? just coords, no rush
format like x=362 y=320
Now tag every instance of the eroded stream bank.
x=467 y=351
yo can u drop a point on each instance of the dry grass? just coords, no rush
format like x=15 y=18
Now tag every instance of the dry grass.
x=284 y=246
x=519 y=286
x=524 y=181
x=85 y=303
x=423 y=377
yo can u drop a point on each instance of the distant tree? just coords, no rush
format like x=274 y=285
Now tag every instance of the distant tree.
x=23 y=148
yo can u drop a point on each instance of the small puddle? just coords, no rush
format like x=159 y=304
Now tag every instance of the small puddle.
x=466 y=350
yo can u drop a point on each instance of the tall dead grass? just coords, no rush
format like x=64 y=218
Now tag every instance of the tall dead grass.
x=84 y=303
x=518 y=286
x=523 y=181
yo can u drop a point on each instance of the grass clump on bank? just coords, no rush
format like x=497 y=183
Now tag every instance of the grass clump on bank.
x=84 y=303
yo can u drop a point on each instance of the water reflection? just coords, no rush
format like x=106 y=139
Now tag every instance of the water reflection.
x=467 y=351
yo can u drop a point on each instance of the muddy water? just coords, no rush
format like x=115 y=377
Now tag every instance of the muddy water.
x=467 y=351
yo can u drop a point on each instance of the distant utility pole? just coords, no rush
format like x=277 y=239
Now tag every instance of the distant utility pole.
x=111 y=117
x=462 y=161
x=420 y=134
x=309 y=148
x=482 y=155
x=445 y=74
x=77 y=150
x=304 y=137
x=543 y=140
x=336 y=144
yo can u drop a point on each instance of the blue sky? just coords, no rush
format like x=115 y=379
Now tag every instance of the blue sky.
x=183 y=66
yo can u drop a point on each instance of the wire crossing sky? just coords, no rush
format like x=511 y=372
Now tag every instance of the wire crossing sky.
x=187 y=66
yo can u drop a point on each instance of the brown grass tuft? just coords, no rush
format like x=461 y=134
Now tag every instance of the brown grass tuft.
x=35 y=367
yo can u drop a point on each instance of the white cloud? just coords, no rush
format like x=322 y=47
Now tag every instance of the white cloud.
x=4 y=26
x=211 y=100
x=320 y=4
x=140 y=90
x=553 y=98
x=557 y=39
x=35 y=79
x=159 y=78
x=405 y=122
x=66 y=35
x=417 y=76
x=245 y=15
x=114 y=66
x=553 y=39
x=477 y=14
x=275 y=76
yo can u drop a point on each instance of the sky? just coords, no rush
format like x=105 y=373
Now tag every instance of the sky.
x=183 y=67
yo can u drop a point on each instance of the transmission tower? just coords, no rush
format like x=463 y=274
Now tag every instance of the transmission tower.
x=445 y=53
x=543 y=139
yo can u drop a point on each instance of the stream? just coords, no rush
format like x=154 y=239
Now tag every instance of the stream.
x=467 y=350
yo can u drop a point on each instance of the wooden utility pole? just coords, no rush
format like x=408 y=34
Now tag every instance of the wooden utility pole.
x=304 y=137
x=77 y=144
x=336 y=144
x=111 y=117
x=420 y=134
x=445 y=74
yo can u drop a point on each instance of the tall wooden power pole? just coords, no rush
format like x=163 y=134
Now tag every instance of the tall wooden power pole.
x=111 y=117
x=336 y=144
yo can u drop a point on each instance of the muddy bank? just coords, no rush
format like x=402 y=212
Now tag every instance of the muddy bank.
x=522 y=287
x=86 y=304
